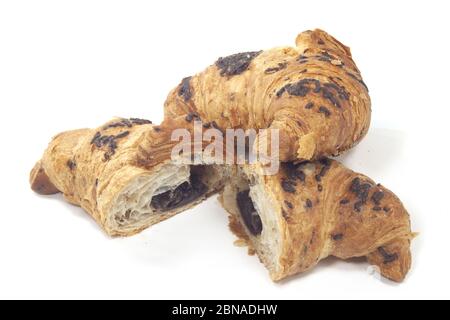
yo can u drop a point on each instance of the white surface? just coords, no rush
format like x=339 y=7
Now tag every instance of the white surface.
x=70 y=64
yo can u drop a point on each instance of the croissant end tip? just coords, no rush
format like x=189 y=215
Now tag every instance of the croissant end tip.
x=40 y=182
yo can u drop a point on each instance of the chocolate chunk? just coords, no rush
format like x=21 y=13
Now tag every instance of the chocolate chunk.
x=298 y=89
x=317 y=86
x=386 y=209
x=192 y=116
x=325 y=162
x=387 y=257
x=359 y=80
x=325 y=111
x=185 y=89
x=107 y=156
x=337 y=237
x=104 y=140
x=248 y=212
x=324 y=59
x=344 y=201
x=358 y=205
x=327 y=94
x=332 y=86
x=320 y=188
x=363 y=192
x=288 y=204
x=96 y=138
x=236 y=63
x=301 y=175
x=280 y=66
x=288 y=186
x=309 y=105
x=107 y=141
x=377 y=197
x=343 y=94
x=71 y=164
x=282 y=90
x=327 y=55
x=157 y=129
x=189 y=117
x=377 y=208
x=293 y=173
x=308 y=204
x=127 y=123
x=121 y=123
x=360 y=190
x=184 y=194
x=355 y=185
x=138 y=121
x=122 y=135
x=323 y=172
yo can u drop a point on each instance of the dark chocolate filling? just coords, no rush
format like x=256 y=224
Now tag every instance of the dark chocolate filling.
x=184 y=194
x=248 y=212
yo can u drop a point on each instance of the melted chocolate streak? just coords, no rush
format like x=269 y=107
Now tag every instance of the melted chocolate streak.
x=181 y=196
x=248 y=212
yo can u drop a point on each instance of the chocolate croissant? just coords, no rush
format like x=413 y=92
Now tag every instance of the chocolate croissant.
x=313 y=210
x=313 y=93
x=122 y=174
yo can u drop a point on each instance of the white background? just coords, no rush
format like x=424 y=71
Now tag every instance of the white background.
x=71 y=64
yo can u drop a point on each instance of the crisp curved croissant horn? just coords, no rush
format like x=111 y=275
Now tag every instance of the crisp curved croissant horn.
x=122 y=174
x=313 y=93
x=313 y=210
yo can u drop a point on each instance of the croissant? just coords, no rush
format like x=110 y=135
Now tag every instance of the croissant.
x=312 y=93
x=122 y=174
x=312 y=210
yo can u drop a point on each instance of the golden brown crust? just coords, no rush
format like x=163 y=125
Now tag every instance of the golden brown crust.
x=313 y=93
x=326 y=210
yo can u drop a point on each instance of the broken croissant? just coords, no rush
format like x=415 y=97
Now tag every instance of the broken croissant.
x=313 y=93
x=122 y=175
x=313 y=210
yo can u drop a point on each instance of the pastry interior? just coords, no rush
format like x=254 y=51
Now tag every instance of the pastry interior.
x=252 y=216
x=151 y=198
